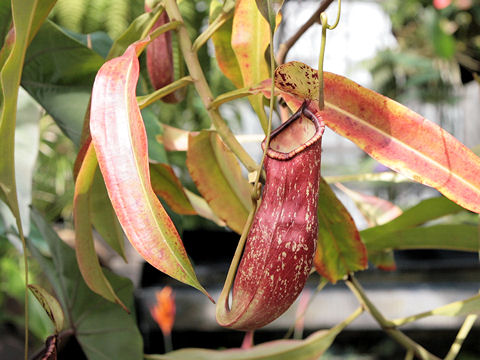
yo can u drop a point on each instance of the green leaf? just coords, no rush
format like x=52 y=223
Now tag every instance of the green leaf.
x=217 y=175
x=269 y=10
x=50 y=305
x=250 y=39
x=28 y=15
x=103 y=216
x=447 y=237
x=339 y=247
x=5 y=20
x=222 y=43
x=167 y=186
x=59 y=73
x=103 y=329
x=424 y=211
x=156 y=151
x=120 y=141
x=86 y=255
x=309 y=349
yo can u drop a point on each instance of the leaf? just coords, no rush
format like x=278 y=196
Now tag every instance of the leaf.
x=390 y=133
x=174 y=139
x=27 y=16
x=50 y=305
x=426 y=210
x=217 y=175
x=103 y=217
x=59 y=73
x=166 y=185
x=224 y=53
x=339 y=248
x=103 y=329
x=120 y=142
x=156 y=151
x=309 y=349
x=446 y=237
x=269 y=10
x=457 y=308
x=5 y=20
x=202 y=208
x=86 y=255
x=375 y=210
x=250 y=39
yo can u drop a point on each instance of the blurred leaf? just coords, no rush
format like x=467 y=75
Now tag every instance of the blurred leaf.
x=59 y=73
x=166 y=185
x=202 y=208
x=103 y=216
x=217 y=175
x=173 y=139
x=85 y=250
x=98 y=41
x=156 y=151
x=309 y=349
x=339 y=248
x=426 y=210
x=103 y=329
x=443 y=43
x=389 y=132
x=120 y=141
x=5 y=20
x=28 y=15
x=269 y=10
x=250 y=39
x=222 y=39
x=446 y=237
x=50 y=305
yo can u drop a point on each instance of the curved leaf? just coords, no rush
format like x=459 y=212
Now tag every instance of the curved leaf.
x=86 y=255
x=222 y=39
x=50 y=305
x=339 y=248
x=120 y=141
x=250 y=39
x=447 y=237
x=309 y=349
x=27 y=17
x=217 y=174
x=390 y=133
x=166 y=185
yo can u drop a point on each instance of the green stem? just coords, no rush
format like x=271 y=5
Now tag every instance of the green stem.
x=171 y=25
x=25 y=262
x=211 y=29
x=461 y=336
x=144 y=101
x=387 y=325
x=203 y=89
x=229 y=96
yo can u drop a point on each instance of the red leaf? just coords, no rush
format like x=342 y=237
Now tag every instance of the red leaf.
x=120 y=141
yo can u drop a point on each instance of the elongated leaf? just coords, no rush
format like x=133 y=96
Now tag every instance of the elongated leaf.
x=86 y=256
x=222 y=39
x=390 y=133
x=120 y=141
x=27 y=16
x=202 y=208
x=217 y=174
x=269 y=10
x=103 y=217
x=166 y=185
x=309 y=349
x=174 y=139
x=103 y=329
x=5 y=20
x=339 y=248
x=447 y=237
x=457 y=308
x=250 y=39
x=50 y=305
x=426 y=210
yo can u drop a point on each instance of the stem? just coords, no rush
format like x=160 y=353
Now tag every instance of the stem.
x=229 y=96
x=25 y=262
x=287 y=45
x=171 y=25
x=211 y=29
x=203 y=89
x=167 y=342
x=144 y=101
x=387 y=325
x=461 y=336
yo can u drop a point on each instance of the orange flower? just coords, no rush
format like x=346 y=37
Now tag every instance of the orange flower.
x=164 y=310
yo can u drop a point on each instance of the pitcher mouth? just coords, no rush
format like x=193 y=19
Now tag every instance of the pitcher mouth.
x=295 y=135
